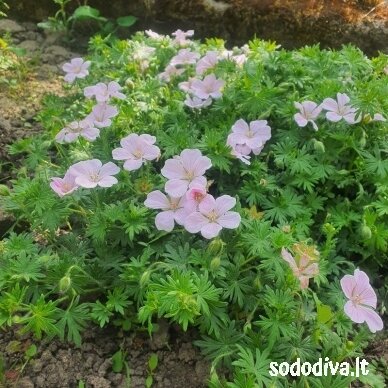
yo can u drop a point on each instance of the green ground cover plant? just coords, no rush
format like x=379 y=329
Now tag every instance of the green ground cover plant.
x=243 y=192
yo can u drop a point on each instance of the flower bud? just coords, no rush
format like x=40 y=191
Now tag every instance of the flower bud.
x=365 y=232
x=257 y=282
x=64 y=284
x=328 y=228
x=215 y=247
x=215 y=263
x=144 y=278
x=286 y=228
x=319 y=146
x=129 y=83
x=4 y=190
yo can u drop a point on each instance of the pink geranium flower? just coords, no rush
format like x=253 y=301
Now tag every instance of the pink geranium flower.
x=207 y=62
x=362 y=300
x=172 y=210
x=154 y=35
x=308 y=112
x=135 y=150
x=180 y=36
x=254 y=135
x=338 y=110
x=103 y=92
x=184 y=57
x=76 y=68
x=102 y=114
x=245 y=138
x=210 y=86
x=212 y=216
x=194 y=196
x=185 y=171
x=65 y=185
x=197 y=103
x=170 y=72
x=378 y=117
x=303 y=270
x=84 y=128
x=92 y=173
x=186 y=85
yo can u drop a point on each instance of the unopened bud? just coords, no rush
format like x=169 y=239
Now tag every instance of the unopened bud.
x=215 y=247
x=4 y=190
x=129 y=83
x=319 y=146
x=263 y=182
x=257 y=282
x=144 y=278
x=64 y=284
x=286 y=228
x=328 y=228
x=215 y=263
x=366 y=232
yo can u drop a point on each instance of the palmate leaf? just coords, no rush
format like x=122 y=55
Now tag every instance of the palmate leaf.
x=256 y=365
x=26 y=268
x=74 y=321
x=41 y=318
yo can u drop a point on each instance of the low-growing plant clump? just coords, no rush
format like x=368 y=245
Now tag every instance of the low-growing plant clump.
x=243 y=192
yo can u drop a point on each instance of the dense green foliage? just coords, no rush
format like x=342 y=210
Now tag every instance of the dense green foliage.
x=95 y=256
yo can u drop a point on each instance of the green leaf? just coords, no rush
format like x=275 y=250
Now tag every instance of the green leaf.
x=149 y=381
x=153 y=362
x=31 y=351
x=324 y=314
x=87 y=12
x=118 y=361
x=126 y=21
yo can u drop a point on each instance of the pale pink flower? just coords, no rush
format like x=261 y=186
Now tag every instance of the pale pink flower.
x=103 y=92
x=362 y=300
x=207 y=62
x=186 y=85
x=180 y=36
x=239 y=59
x=135 y=150
x=172 y=210
x=210 y=86
x=76 y=68
x=303 y=270
x=212 y=216
x=102 y=114
x=254 y=135
x=185 y=171
x=378 y=117
x=194 y=196
x=197 y=103
x=338 y=110
x=184 y=57
x=65 y=185
x=92 y=173
x=84 y=128
x=154 y=35
x=142 y=52
x=309 y=111
x=170 y=72
x=240 y=151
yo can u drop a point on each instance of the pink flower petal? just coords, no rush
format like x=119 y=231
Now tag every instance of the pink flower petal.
x=230 y=220
x=132 y=164
x=354 y=312
x=107 y=181
x=348 y=284
x=194 y=222
x=165 y=221
x=173 y=169
x=224 y=203
x=373 y=320
x=176 y=187
x=109 y=169
x=211 y=230
x=157 y=200
x=207 y=205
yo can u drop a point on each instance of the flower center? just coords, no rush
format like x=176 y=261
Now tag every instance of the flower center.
x=357 y=299
x=138 y=154
x=212 y=216
x=198 y=196
x=94 y=177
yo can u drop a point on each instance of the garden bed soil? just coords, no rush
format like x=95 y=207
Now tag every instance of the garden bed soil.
x=61 y=365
